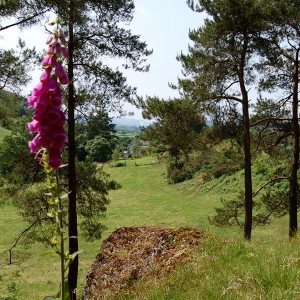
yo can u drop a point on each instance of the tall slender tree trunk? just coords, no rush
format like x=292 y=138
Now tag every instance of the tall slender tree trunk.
x=73 y=234
x=247 y=167
x=246 y=142
x=293 y=224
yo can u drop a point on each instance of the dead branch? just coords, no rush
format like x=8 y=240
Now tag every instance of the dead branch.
x=22 y=233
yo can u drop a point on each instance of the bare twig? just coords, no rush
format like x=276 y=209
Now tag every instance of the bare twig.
x=22 y=233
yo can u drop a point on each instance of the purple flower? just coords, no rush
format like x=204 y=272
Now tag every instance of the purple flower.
x=52 y=115
x=54 y=41
x=56 y=99
x=46 y=140
x=58 y=49
x=52 y=86
x=39 y=89
x=62 y=37
x=33 y=126
x=49 y=60
x=65 y=52
x=55 y=158
x=61 y=74
x=32 y=100
x=45 y=76
x=42 y=104
x=50 y=50
x=46 y=99
x=49 y=39
x=35 y=143
x=59 y=137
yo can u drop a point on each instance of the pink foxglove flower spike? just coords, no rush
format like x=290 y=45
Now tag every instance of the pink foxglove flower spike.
x=46 y=98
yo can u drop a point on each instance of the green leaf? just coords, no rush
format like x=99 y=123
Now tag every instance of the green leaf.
x=63 y=166
x=52 y=214
x=54 y=241
x=50 y=252
x=50 y=298
x=66 y=293
x=73 y=255
x=52 y=201
x=64 y=196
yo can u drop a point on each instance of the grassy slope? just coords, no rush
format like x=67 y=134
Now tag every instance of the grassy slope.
x=146 y=199
x=3 y=132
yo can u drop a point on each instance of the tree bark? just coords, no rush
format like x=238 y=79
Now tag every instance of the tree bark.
x=293 y=223
x=73 y=233
x=247 y=167
x=247 y=149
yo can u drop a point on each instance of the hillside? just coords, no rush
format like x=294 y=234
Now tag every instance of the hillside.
x=221 y=266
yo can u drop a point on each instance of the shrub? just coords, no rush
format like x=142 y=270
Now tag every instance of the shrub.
x=178 y=171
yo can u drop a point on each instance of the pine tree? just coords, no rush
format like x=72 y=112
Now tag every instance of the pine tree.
x=219 y=68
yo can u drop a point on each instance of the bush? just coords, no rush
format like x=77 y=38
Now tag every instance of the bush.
x=226 y=161
x=119 y=164
x=99 y=149
x=178 y=171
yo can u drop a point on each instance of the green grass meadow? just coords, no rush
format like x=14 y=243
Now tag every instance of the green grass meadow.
x=224 y=267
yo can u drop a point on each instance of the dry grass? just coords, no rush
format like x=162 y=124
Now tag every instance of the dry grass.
x=132 y=254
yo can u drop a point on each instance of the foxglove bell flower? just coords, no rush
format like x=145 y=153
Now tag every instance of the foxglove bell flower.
x=45 y=76
x=46 y=99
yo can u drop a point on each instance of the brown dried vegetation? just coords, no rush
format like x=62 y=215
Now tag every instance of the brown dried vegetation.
x=132 y=254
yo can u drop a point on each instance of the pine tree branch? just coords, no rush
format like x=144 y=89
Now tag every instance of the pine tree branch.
x=281 y=50
x=24 y=20
x=280 y=138
x=270 y=119
x=272 y=211
x=269 y=182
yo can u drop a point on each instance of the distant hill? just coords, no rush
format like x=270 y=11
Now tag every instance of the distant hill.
x=127 y=125
x=127 y=122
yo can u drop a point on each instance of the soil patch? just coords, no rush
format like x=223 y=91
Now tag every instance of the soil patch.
x=137 y=253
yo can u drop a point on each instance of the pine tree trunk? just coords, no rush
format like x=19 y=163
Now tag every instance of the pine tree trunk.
x=293 y=225
x=247 y=167
x=73 y=234
x=247 y=149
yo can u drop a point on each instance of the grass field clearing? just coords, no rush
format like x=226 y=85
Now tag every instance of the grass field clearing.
x=147 y=199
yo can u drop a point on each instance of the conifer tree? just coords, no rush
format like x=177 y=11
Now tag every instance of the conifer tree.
x=279 y=50
x=219 y=67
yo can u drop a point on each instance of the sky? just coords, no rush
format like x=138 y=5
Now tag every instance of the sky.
x=163 y=24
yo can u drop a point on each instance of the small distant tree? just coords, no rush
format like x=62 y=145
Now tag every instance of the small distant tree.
x=99 y=149
x=96 y=137
x=177 y=126
x=115 y=156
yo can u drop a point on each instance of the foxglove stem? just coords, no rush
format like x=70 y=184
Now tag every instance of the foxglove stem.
x=62 y=246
